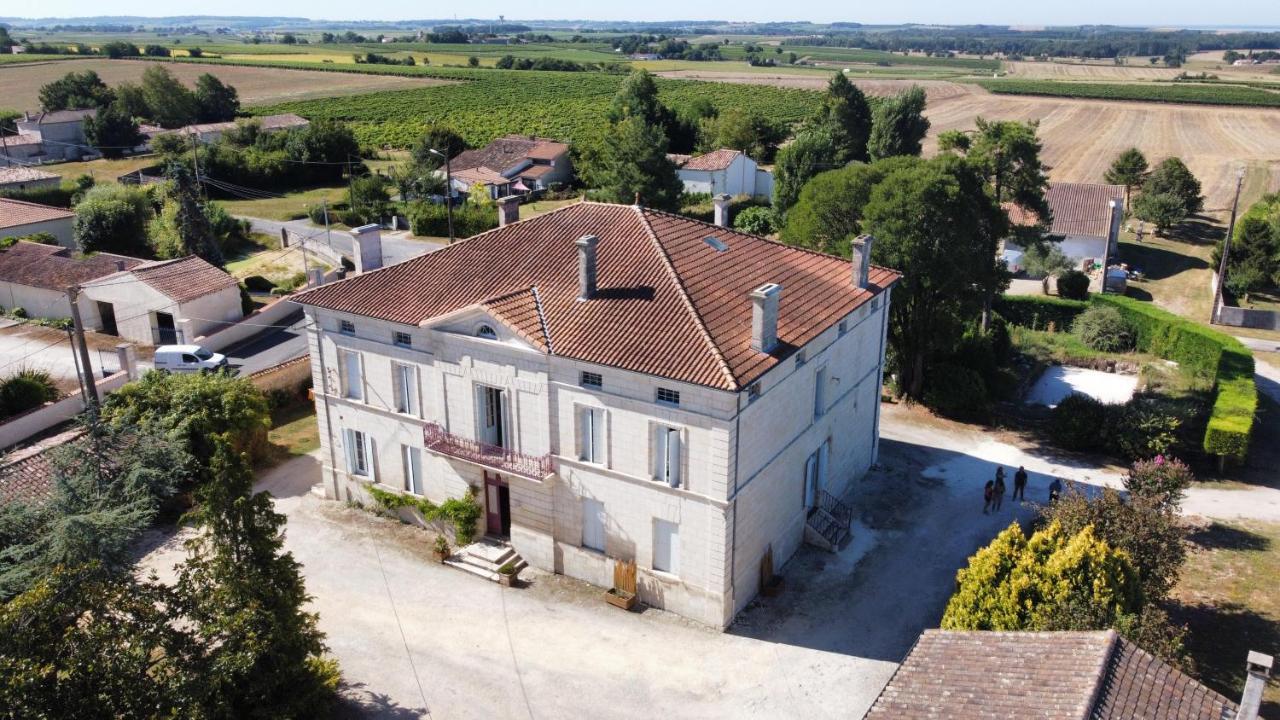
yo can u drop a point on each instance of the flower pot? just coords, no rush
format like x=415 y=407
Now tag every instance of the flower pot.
x=620 y=598
x=507 y=579
x=439 y=556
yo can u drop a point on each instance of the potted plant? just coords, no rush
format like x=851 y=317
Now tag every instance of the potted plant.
x=623 y=592
x=441 y=550
x=507 y=574
x=618 y=597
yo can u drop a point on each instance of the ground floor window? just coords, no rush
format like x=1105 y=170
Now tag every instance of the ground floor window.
x=359 y=453
x=593 y=524
x=412 y=457
x=666 y=546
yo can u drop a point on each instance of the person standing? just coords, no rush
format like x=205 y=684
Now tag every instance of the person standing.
x=1055 y=489
x=997 y=498
x=987 y=492
x=1020 y=484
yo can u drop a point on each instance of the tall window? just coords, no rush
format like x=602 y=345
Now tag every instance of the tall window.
x=412 y=458
x=666 y=455
x=666 y=546
x=593 y=524
x=404 y=378
x=820 y=393
x=359 y=453
x=352 y=376
x=591 y=435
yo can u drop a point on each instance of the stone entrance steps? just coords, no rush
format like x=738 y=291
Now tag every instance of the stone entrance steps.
x=483 y=558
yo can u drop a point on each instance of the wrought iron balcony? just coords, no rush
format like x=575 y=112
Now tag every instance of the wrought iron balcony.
x=534 y=467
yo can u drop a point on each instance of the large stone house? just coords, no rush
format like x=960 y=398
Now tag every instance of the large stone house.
x=613 y=382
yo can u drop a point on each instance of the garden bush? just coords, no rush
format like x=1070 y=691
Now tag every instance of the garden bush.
x=1035 y=312
x=432 y=220
x=1103 y=328
x=1079 y=422
x=25 y=390
x=1073 y=285
x=1163 y=480
x=756 y=220
x=958 y=392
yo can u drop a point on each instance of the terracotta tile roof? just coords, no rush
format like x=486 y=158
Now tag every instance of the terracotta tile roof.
x=1097 y=675
x=547 y=150
x=709 y=162
x=669 y=303
x=56 y=268
x=26 y=475
x=482 y=175
x=536 y=171
x=1078 y=209
x=18 y=174
x=14 y=213
x=507 y=152
x=184 y=279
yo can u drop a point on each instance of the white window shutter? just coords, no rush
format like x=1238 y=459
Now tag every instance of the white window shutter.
x=349 y=445
x=597 y=436
x=673 y=457
x=810 y=480
x=368 y=458
x=660 y=454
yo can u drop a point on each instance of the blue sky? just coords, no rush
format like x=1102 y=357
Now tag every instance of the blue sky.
x=1015 y=12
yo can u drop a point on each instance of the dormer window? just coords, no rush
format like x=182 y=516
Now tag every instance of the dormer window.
x=486 y=332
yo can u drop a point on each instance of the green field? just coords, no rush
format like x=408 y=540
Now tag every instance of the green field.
x=1202 y=94
x=30 y=58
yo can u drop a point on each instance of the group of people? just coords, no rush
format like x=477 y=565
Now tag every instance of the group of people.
x=993 y=491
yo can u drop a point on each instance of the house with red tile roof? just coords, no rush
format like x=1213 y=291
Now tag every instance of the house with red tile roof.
x=19 y=218
x=512 y=165
x=723 y=171
x=1084 y=223
x=614 y=384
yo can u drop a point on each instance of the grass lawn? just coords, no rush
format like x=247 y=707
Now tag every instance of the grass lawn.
x=102 y=170
x=1177 y=272
x=269 y=261
x=290 y=207
x=1227 y=599
x=293 y=431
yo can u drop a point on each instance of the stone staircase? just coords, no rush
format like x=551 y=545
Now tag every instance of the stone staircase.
x=828 y=524
x=484 y=557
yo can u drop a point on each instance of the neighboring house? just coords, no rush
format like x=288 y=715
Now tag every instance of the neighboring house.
x=19 y=218
x=512 y=165
x=164 y=302
x=212 y=132
x=1086 y=223
x=613 y=382
x=1089 y=675
x=16 y=178
x=26 y=473
x=21 y=150
x=151 y=302
x=723 y=171
x=61 y=133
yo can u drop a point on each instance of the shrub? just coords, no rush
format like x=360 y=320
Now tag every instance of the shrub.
x=1073 y=285
x=1162 y=480
x=258 y=284
x=431 y=219
x=1135 y=430
x=24 y=390
x=1079 y=423
x=756 y=220
x=1035 y=312
x=957 y=392
x=1103 y=328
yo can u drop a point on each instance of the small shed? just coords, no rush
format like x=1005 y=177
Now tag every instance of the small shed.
x=165 y=301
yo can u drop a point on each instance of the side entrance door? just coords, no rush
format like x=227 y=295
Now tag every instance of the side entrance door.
x=168 y=332
x=107 y=312
x=497 y=505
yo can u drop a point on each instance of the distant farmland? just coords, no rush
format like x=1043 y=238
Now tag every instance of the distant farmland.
x=20 y=84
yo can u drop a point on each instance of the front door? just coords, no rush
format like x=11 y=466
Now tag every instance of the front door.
x=497 y=505
x=168 y=333
x=107 y=312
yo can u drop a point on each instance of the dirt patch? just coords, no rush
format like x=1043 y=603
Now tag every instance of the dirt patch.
x=20 y=85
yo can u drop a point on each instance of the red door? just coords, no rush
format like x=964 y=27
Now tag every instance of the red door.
x=497 y=505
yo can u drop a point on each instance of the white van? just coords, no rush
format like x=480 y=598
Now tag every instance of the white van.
x=188 y=358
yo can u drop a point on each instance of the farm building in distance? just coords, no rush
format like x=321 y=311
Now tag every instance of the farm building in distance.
x=18 y=178
x=723 y=171
x=1086 y=223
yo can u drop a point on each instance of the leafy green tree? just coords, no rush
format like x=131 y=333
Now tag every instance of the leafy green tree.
x=473 y=61
x=244 y=596
x=367 y=198
x=828 y=214
x=1255 y=250
x=182 y=227
x=130 y=98
x=199 y=411
x=638 y=97
x=898 y=125
x=846 y=116
x=1173 y=177
x=756 y=220
x=1128 y=169
x=935 y=222
x=1045 y=259
x=1021 y=583
x=8 y=121
x=440 y=138
x=327 y=143
x=632 y=162
x=170 y=103
x=215 y=101
x=810 y=153
x=113 y=218
x=76 y=90
x=747 y=131
x=1165 y=210
x=113 y=131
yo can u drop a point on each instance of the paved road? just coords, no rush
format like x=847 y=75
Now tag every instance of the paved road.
x=270 y=347
x=395 y=247
x=1259 y=344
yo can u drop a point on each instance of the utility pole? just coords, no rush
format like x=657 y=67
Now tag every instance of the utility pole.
x=90 y=385
x=1226 y=250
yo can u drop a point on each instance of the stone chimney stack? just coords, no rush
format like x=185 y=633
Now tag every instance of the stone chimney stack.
x=721 y=203
x=508 y=210
x=861 y=260
x=764 y=317
x=1258 y=667
x=587 y=266
x=368 y=247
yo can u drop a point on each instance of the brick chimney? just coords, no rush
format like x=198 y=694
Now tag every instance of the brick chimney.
x=1258 y=667
x=721 y=203
x=367 y=240
x=587 y=266
x=508 y=210
x=764 y=317
x=861 y=260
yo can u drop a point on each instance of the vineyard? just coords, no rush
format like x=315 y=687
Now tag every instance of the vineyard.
x=1164 y=92
x=879 y=57
x=568 y=106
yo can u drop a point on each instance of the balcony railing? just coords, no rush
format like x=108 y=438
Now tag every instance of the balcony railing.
x=534 y=467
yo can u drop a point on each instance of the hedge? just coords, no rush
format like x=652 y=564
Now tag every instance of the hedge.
x=1201 y=350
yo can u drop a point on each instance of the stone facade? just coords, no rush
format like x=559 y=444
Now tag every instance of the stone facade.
x=741 y=456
